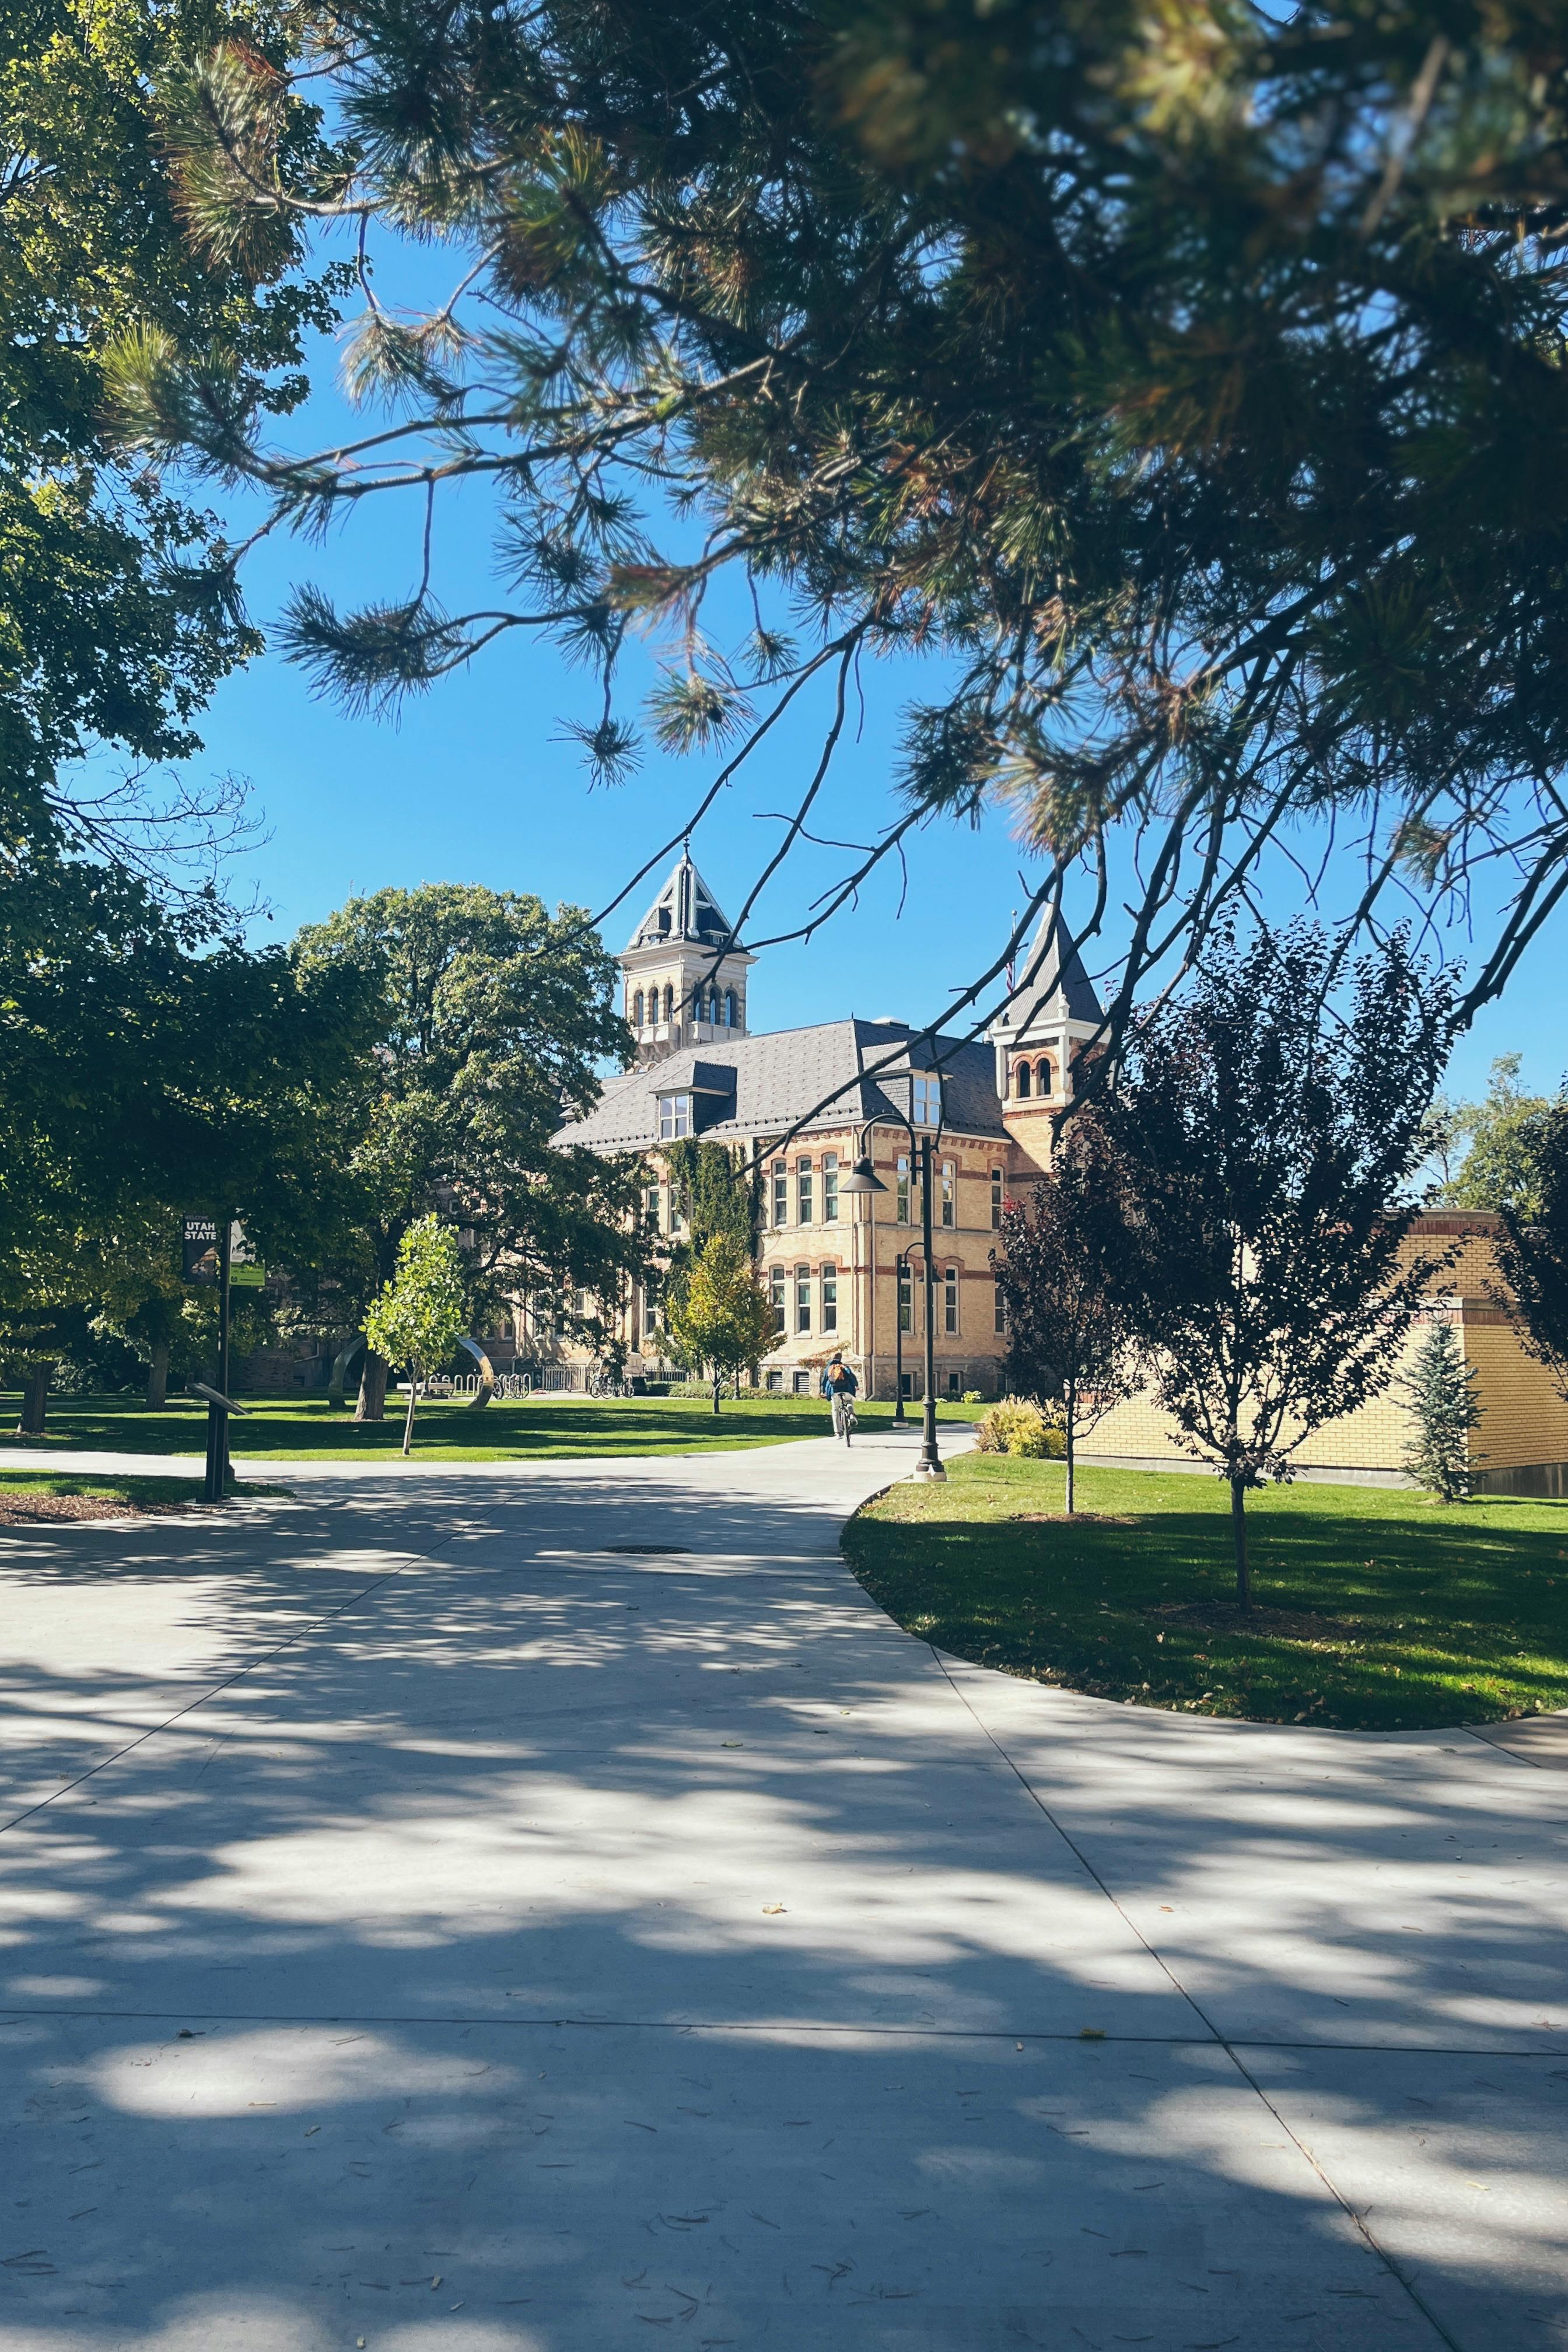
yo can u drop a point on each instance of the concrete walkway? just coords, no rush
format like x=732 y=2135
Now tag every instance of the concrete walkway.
x=517 y=1912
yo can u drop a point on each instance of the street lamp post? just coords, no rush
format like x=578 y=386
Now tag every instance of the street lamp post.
x=900 y=1267
x=930 y=1464
x=865 y=1180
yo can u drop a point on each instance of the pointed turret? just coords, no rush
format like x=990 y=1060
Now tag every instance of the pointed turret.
x=685 y=983
x=1052 y=1012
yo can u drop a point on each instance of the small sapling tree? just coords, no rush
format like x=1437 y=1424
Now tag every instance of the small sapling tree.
x=1440 y=1391
x=1072 y=1333
x=721 y=1316
x=419 y=1317
x=1268 y=1132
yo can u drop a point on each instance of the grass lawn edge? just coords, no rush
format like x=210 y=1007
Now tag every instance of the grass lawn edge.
x=1458 y=1617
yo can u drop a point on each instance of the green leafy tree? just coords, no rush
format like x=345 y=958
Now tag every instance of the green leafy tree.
x=1490 y=1150
x=493 y=1019
x=1440 y=1391
x=1268 y=1131
x=418 y=1319
x=721 y=1316
x=1066 y=1249
x=1533 y=1252
x=1190 y=377
x=119 y=611
x=140 y=1079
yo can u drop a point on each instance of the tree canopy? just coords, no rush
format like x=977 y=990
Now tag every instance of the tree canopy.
x=492 y=1017
x=1269 y=1129
x=1191 y=380
x=118 y=609
x=1490 y=1151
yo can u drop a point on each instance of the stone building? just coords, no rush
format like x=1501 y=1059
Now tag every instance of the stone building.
x=844 y=1270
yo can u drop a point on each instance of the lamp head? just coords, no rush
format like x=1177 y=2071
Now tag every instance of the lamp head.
x=863 y=1178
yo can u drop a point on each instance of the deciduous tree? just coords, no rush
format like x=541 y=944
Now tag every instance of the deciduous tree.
x=1270 y=1126
x=720 y=1314
x=417 y=1318
x=1069 y=1247
x=493 y=1018
x=1533 y=1252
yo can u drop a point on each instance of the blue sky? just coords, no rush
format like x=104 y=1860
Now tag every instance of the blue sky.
x=474 y=783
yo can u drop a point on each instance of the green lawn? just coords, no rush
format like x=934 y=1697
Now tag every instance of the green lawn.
x=286 y=1429
x=1374 y=1607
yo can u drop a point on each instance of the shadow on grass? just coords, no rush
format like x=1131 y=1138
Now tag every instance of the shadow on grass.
x=294 y=1428
x=1374 y=1607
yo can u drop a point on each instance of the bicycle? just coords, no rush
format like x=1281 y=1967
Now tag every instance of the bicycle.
x=844 y=1417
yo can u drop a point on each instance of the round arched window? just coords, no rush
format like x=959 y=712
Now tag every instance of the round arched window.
x=1021 y=1079
x=637 y=1010
x=1046 y=1081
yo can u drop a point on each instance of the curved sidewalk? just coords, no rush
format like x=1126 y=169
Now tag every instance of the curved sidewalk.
x=516 y=1911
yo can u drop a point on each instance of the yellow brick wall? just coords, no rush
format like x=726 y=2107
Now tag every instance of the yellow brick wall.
x=1525 y=1420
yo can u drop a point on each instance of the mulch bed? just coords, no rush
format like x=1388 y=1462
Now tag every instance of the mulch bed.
x=17 y=1510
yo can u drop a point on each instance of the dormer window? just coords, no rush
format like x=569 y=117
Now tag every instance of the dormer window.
x=926 y=1109
x=674 y=1117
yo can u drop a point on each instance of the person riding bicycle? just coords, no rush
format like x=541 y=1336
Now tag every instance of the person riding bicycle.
x=841 y=1387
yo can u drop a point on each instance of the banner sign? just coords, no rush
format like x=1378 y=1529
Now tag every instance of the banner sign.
x=245 y=1271
x=199 y=1237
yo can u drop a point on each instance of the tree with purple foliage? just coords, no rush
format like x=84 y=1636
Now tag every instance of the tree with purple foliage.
x=1270 y=1120
x=1062 y=1270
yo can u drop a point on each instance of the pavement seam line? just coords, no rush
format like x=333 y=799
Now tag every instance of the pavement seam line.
x=1377 y=2250
x=156 y=1730
x=791 y=2026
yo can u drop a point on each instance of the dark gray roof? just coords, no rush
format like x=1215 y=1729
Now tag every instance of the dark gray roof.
x=783 y=1074
x=1055 y=986
x=684 y=910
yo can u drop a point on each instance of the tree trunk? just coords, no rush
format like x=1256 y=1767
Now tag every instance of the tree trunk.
x=372 y=1406
x=413 y=1393
x=1239 y=1530
x=35 y=1394
x=717 y=1378
x=1071 y=1451
x=158 y=1376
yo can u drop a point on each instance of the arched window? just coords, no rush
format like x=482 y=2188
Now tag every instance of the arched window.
x=637 y=1010
x=1046 y=1081
x=1021 y=1078
x=730 y=1009
x=713 y=1008
x=668 y=1002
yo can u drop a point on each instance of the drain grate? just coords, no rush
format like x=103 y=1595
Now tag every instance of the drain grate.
x=652 y=1551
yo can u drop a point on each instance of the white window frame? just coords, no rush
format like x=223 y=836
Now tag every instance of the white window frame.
x=778 y=1298
x=901 y=1188
x=831 y=1188
x=829 y=1298
x=949 y=1193
x=925 y=1100
x=950 y=1300
x=805 y=1192
x=998 y=1194
x=674 y=1117
x=803 y=1302
x=781 y=1194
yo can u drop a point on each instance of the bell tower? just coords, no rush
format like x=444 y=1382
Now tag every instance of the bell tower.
x=1039 y=1034
x=685 y=979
